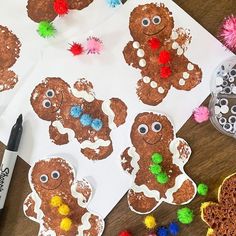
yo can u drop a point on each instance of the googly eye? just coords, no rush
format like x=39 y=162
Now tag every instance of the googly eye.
x=50 y=93
x=227 y=127
x=222 y=120
x=227 y=90
x=231 y=79
x=233 y=109
x=223 y=102
x=156 y=126
x=143 y=129
x=46 y=103
x=232 y=119
x=55 y=174
x=44 y=179
x=233 y=72
x=145 y=22
x=225 y=83
x=156 y=20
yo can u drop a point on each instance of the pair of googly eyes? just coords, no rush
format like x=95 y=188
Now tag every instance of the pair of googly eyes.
x=50 y=94
x=44 y=178
x=156 y=127
x=156 y=20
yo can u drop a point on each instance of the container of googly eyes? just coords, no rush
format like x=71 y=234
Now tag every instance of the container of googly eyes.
x=223 y=102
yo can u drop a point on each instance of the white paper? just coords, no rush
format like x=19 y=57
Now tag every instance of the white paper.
x=111 y=77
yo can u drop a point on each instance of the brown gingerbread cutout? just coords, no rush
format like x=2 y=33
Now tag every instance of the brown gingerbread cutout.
x=58 y=202
x=157 y=50
x=156 y=162
x=74 y=112
x=43 y=10
x=9 y=53
x=221 y=216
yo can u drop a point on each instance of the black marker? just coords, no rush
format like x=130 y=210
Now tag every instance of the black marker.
x=9 y=160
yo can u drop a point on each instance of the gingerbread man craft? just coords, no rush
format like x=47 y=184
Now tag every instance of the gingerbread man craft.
x=221 y=216
x=157 y=50
x=58 y=202
x=74 y=112
x=43 y=10
x=10 y=52
x=156 y=162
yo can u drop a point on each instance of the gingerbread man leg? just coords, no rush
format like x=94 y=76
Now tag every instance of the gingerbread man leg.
x=186 y=75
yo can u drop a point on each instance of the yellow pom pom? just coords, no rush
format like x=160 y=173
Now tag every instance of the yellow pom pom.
x=210 y=232
x=66 y=224
x=150 y=222
x=64 y=210
x=56 y=201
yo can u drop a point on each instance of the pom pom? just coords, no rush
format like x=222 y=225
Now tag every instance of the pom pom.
x=152 y=234
x=228 y=33
x=55 y=201
x=185 y=215
x=150 y=222
x=162 y=231
x=76 y=111
x=157 y=158
x=155 y=169
x=113 y=3
x=97 y=124
x=165 y=72
x=125 y=233
x=61 y=7
x=86 y=120
x=76 y=49
x=64 y=210
x=164 y=57
x=162 y=178
x=201 y=114
x=66 y=224
x=174 y=228
x=94 y=45
x=202 y=189
x=46 y=29
x=154 y=43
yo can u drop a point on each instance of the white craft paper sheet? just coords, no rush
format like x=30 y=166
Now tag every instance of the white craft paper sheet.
x=111 y=77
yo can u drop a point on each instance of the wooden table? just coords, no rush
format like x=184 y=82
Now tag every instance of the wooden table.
x=213 y=158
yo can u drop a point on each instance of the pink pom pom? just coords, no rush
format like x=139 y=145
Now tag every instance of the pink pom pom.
x=201 y=114
x=94 y=45
x=228 y=32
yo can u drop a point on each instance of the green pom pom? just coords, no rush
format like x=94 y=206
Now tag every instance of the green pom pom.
x=157 y=158
x=162 y=178
x=185 y=215
x=46 y=29
x=202 y=189
x=155 y=169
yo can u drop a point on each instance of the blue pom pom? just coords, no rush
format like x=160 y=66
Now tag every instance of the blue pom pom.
x=162 y=231
x=76 y=111
x=174 y=228
x=96 y=124
x=86 y=120
x=113 y=3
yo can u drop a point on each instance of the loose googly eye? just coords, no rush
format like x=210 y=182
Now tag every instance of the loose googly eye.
x=222 y=120
x=233 y=109
x=55 y=174
x=227 y=90
x=156 y=20
x=46 y=103
x=50 y=93
x=232 y=119
x=156 y=126
x=231 y=79
x=223 y=102
x=225 y=83
x=233 y=72
x=44 y=179
x=145 y=22
x=227 y=127
x=143 y=129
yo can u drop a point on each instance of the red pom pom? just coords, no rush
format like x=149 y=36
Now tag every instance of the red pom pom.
x=165 y=72
x=164 y=57
x=76 y=49
x=154 y=43
x=125 y=233
x=61 y=7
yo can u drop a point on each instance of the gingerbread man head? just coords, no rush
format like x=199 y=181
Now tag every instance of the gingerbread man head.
x=147 y=21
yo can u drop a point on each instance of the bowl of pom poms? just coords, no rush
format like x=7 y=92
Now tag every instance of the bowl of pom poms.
x=223 y=101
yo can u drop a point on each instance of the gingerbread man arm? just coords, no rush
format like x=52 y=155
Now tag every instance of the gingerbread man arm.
x=82 y=190
x=58 y=134
x=181 y=151
x=8 y=80
x=78 y=4
x=29 y=208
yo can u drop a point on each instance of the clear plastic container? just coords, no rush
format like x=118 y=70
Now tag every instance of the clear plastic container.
x=223 y=102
